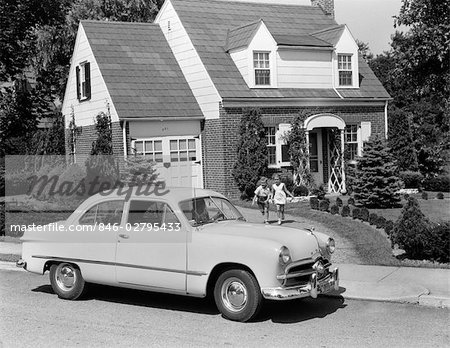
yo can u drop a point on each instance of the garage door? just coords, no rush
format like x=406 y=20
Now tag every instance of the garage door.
x=178 y=159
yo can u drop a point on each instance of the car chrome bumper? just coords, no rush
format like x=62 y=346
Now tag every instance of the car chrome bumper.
x=312 y=289
x=21 y=264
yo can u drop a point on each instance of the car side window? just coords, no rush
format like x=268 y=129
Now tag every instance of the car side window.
x=109 y=212
x=151 y=212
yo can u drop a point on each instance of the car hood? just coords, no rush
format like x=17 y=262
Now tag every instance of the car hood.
x=301 y=243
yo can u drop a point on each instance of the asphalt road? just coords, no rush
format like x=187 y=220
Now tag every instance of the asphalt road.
x=32 y=316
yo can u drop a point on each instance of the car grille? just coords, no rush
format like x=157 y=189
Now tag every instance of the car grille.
x=299 y=272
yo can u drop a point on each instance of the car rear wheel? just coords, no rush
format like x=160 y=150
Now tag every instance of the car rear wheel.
x=67 y=281
x=237 y=295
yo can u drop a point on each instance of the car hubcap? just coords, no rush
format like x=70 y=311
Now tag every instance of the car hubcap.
x=65 y=277
x=234 y=294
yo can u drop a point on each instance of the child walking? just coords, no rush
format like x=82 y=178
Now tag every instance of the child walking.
x=262 y=196
x=279 y=192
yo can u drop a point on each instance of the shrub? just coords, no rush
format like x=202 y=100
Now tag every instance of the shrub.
x=356 y=212
x=320 y=191
x=334 y=209
x=439 y=243
x=351 y=201
x=339 y=202
x=314 y=203
x=380 y=222
x=138 y=170
x=406 y=196
x=440 y=195
x=411 y=179
x=388 y=226
x=424 y=195
x=376 y=183
x=324 y=205
x=439 y=183
x=412 y=230
x=300 y=190
x=17 y=183
x=252 y=159
x=345 y=211
x=364 y=214
x=373 y=218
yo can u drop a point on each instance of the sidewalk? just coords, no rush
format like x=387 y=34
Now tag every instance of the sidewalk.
x=422 y=286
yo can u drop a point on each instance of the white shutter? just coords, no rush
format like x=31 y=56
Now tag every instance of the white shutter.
x=366 y=130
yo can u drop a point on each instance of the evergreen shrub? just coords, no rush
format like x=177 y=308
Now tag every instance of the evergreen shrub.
x=380 y=222
x=339 y=202
x=364 y=214
x=314 y=203
x=373 y=218
x=388 y=227
x=300 y=190
x=351 y=201
x=424 y=195
x=438 y=183
x=324 y=205
x=345 y=211
x=334 y=209
x=411 y=179
x=356 y=212
x=440 y=195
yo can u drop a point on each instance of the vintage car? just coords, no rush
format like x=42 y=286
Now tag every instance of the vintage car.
x=185 y=241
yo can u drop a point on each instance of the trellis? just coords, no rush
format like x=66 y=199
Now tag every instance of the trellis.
x=336 y=181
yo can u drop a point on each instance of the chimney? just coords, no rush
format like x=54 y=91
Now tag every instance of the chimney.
x=327 y=6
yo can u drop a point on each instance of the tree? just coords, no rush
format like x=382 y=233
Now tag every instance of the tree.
x=252 y=158
x=299 y=152
x=364 y=50
x=401 y=140
x=101 y=167
x=376 y=183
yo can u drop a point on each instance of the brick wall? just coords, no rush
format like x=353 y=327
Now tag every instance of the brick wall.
x=220 y=137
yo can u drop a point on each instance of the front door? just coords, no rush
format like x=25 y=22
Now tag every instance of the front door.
x=151 y=248
x=315 y=155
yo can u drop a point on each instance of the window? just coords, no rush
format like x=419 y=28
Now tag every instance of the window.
x=107 y=213
x=83 y=75
x=182 y=150
x=351 y=140
x=151 y=212
x=345 y=69
x=150 y=148
x=261 y=64
x=313 y=153
x=271 y=145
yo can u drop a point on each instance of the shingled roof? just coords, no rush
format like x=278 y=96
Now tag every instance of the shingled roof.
x=140 y=71
x=208 y=23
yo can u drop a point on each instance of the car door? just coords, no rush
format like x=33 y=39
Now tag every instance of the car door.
x=151 y=248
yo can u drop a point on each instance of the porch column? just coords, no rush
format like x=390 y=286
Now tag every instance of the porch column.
x=307 y=148
x=344 y=189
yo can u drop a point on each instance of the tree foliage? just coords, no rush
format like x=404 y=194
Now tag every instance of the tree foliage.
x=299 y=152
x=252 y=156
x=376 y=182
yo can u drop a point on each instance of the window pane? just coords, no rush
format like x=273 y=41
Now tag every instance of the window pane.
x=158 y=157
x=173 y=145
x=272 y=154
x=174 y=157
x=345 y=78
x=183 y=144
x=192 y=156
x=158 y=145
x=284 y=153
x=139 y=146
x=191 y=143
x=148 y=146
x=147 y=212
x=262 y=77
x=183 y=156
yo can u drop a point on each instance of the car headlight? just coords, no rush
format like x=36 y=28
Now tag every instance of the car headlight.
x=285 y=256
x=331 y=245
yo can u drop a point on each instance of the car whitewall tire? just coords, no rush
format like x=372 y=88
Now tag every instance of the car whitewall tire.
x=237 y=295
x=67 y=281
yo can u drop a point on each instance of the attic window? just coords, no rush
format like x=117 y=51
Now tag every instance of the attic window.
x=83 y=72
x=345 y=69
x=261 y=64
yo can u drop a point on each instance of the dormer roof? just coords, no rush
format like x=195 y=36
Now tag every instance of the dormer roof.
x=330 y=35
x=241 y=36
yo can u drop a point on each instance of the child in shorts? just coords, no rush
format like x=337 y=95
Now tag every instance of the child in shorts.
x=279 y=192
x=262 y=197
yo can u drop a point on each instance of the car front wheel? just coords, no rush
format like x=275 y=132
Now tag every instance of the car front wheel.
x=67 y=281
x=237 y=295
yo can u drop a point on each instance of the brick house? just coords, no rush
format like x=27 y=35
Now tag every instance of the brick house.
x=176 y=89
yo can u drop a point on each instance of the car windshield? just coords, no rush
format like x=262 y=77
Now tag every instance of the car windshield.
x=205 y=210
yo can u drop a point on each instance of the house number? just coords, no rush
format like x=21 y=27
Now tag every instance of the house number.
x=165 y=129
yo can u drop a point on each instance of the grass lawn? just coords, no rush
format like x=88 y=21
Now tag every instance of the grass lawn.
x=372 y=245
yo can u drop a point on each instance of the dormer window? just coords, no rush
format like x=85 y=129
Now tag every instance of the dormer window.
x=261 y=65
x=345 y=69
x=83 y=72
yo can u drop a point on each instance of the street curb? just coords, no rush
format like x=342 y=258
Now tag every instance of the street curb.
x=434 y=301
x=10 y=266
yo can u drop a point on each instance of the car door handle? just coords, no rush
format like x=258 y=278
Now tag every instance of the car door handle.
x=124 y=236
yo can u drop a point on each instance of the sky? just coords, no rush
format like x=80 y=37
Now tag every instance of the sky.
x=369 y=21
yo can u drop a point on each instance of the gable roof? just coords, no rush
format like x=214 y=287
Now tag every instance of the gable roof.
x=241 y=36
x=208 y=23
x=301 y=40
x=331 y=35
x=140 y=71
